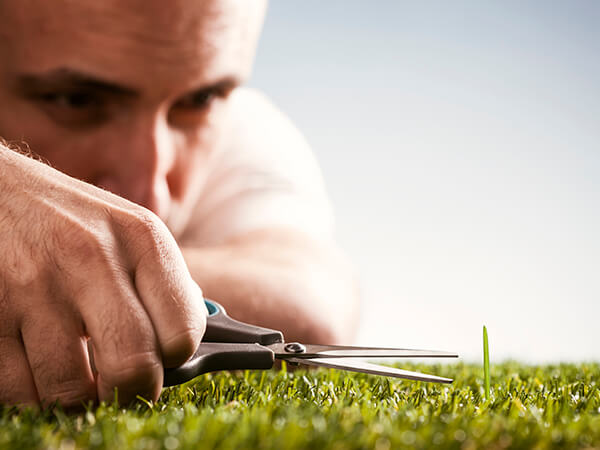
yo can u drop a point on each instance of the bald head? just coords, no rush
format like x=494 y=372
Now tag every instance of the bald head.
x=126 y=37
x=126 y=94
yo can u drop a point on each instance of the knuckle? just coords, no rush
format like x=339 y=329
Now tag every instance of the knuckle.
x=70 y=393
x=140 y=371
x=152 y=238
x=61 y=378
x=14 y=394
x=179 y=347
x=22 y=266
x=145 y=223
x=185 y=337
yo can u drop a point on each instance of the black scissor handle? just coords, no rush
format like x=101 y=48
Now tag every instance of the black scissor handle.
x=215 y=356
x=228 y=344
x=222 y=328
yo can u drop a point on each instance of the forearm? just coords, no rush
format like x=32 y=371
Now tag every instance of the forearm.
x=283 y=280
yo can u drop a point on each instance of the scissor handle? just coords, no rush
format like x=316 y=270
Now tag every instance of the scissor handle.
x=215 y=356
x=222 y=328
x=228 y=344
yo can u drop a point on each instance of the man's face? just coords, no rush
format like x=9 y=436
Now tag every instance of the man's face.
x=129 y=95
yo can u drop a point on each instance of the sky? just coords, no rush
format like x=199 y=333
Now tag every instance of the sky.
x=460 y=145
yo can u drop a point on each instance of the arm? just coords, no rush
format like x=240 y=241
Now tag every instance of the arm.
x=78 y=266
x=281 y=278
x=260 y=240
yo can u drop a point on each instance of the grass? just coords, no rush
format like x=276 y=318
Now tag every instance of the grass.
x=486 y=364
x=530 y=407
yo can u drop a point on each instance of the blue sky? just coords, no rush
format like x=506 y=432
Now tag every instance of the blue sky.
x=460 y=145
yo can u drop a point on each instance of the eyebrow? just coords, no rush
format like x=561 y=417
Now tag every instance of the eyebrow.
x=64 y=78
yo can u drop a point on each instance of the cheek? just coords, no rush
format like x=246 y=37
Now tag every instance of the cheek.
x=26 y=126
x=198 y=153
x=191 y=166
x=29 y=129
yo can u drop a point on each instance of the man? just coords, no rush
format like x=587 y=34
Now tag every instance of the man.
x=202 y=182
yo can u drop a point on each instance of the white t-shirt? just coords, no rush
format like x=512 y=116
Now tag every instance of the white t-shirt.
x=266 y=176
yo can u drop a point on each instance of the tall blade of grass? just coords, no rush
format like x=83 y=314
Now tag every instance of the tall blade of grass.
x=486 y=364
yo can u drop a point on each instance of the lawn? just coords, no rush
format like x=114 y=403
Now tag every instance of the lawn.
x=530 y=407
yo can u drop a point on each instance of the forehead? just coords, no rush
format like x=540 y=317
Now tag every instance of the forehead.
x=136 y=41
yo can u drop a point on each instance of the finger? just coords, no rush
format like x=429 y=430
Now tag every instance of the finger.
x=126 y=353
x=178 y=314
x=56 y=350
x=172 y=299
x=17 y=386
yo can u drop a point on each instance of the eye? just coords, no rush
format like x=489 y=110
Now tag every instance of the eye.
x=75 y=100
x=74 y=108
x=197 y=100
x=193 y=110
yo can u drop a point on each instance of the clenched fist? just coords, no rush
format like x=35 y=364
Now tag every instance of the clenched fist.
x=76 y=264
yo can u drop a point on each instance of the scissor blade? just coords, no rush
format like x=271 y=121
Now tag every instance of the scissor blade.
x=365 y=367
x=341 y=351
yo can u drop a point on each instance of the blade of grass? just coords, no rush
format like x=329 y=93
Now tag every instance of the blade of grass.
x=486 y=364
x=553 y=406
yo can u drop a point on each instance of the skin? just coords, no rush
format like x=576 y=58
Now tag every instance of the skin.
x=132 y=97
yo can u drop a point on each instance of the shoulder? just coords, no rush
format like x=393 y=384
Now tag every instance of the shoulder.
x=260 y=131
x=265 y=176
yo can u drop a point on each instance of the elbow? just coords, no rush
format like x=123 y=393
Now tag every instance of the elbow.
x=330 y=311
x=318 y=332
x=329 y=334
x=310 y=329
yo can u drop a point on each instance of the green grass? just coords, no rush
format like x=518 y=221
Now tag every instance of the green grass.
x=530 y=407
x=486 y=364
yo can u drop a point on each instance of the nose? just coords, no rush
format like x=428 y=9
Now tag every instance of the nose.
x=144 y=164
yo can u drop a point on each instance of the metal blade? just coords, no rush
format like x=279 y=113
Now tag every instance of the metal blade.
x=365 y=367
x=296 y=350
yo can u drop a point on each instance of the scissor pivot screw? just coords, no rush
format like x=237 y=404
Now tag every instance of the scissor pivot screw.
x=294 y=347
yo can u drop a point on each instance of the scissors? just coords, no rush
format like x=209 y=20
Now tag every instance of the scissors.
x=230 y=345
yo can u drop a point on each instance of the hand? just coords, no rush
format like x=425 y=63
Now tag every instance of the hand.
x=79 y=263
